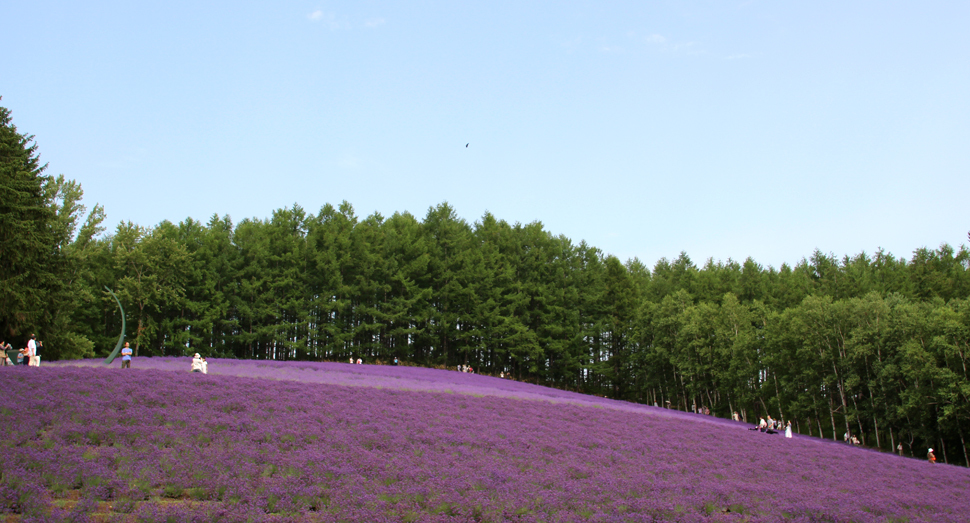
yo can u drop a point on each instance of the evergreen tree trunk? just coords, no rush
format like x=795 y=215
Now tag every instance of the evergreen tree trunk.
x=963 y=443
x=875 y=422
x=875 y=425
x=845 y=406
x=832 y=415
x=778 y=395
x=862 y=432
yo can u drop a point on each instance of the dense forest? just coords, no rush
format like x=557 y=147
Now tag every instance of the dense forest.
x=872 y=345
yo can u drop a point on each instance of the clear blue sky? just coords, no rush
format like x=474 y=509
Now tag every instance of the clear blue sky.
x=723 y=129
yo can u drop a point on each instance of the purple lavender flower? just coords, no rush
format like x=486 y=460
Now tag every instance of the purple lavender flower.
x=272 y=441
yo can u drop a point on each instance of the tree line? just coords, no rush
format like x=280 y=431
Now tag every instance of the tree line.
x=872 y=345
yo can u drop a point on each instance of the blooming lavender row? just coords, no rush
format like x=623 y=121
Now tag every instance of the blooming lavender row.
x=150 y=445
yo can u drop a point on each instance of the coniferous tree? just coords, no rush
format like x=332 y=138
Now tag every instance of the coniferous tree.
x=38 y=220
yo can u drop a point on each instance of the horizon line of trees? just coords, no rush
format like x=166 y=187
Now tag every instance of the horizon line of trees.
x=875 y=346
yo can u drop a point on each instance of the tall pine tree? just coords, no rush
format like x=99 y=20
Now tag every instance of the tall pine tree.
x=32 y=265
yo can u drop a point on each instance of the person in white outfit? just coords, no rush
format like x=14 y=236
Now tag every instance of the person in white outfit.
x=196 y=363
x=30 y=357
x=205 y=366
x=788 y=430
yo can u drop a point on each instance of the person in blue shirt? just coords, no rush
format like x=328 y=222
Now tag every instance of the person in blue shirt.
x=126 y=357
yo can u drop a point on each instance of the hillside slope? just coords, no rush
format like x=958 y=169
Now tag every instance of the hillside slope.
x=336 y=442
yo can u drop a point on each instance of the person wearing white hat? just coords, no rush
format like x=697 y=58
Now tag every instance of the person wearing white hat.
x=930 y=456
x=196 y=363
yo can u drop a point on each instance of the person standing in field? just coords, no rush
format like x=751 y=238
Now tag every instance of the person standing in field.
x=788 y=430
x=126 y=357
x=196 y=363
x=930 y=456
x=31 y=349
x=205 y=366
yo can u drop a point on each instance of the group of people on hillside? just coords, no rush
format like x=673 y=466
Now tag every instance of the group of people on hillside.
x=28 y=356
x=199 y=364
x=466 y=369
x=359 y=361
x=771 y=426
x=930 y=455
x=851 y=439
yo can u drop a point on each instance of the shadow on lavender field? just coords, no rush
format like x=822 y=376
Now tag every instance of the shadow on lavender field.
x=271 y=441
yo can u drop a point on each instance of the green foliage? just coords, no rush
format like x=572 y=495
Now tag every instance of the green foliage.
x=40 y=248
x=28 y=243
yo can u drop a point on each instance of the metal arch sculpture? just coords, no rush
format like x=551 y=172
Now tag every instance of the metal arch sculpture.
x=121 y=339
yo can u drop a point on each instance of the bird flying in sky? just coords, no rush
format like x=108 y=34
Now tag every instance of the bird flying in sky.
x=466 y=146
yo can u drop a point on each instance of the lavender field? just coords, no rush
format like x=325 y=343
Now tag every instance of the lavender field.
x=257 y=441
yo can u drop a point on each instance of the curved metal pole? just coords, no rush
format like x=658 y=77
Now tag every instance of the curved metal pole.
x=121 y=339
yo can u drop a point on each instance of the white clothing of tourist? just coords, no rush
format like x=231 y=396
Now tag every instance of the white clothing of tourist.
x=360 y=361
x=205 y=366
x=196 y=363
x=788 y=431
